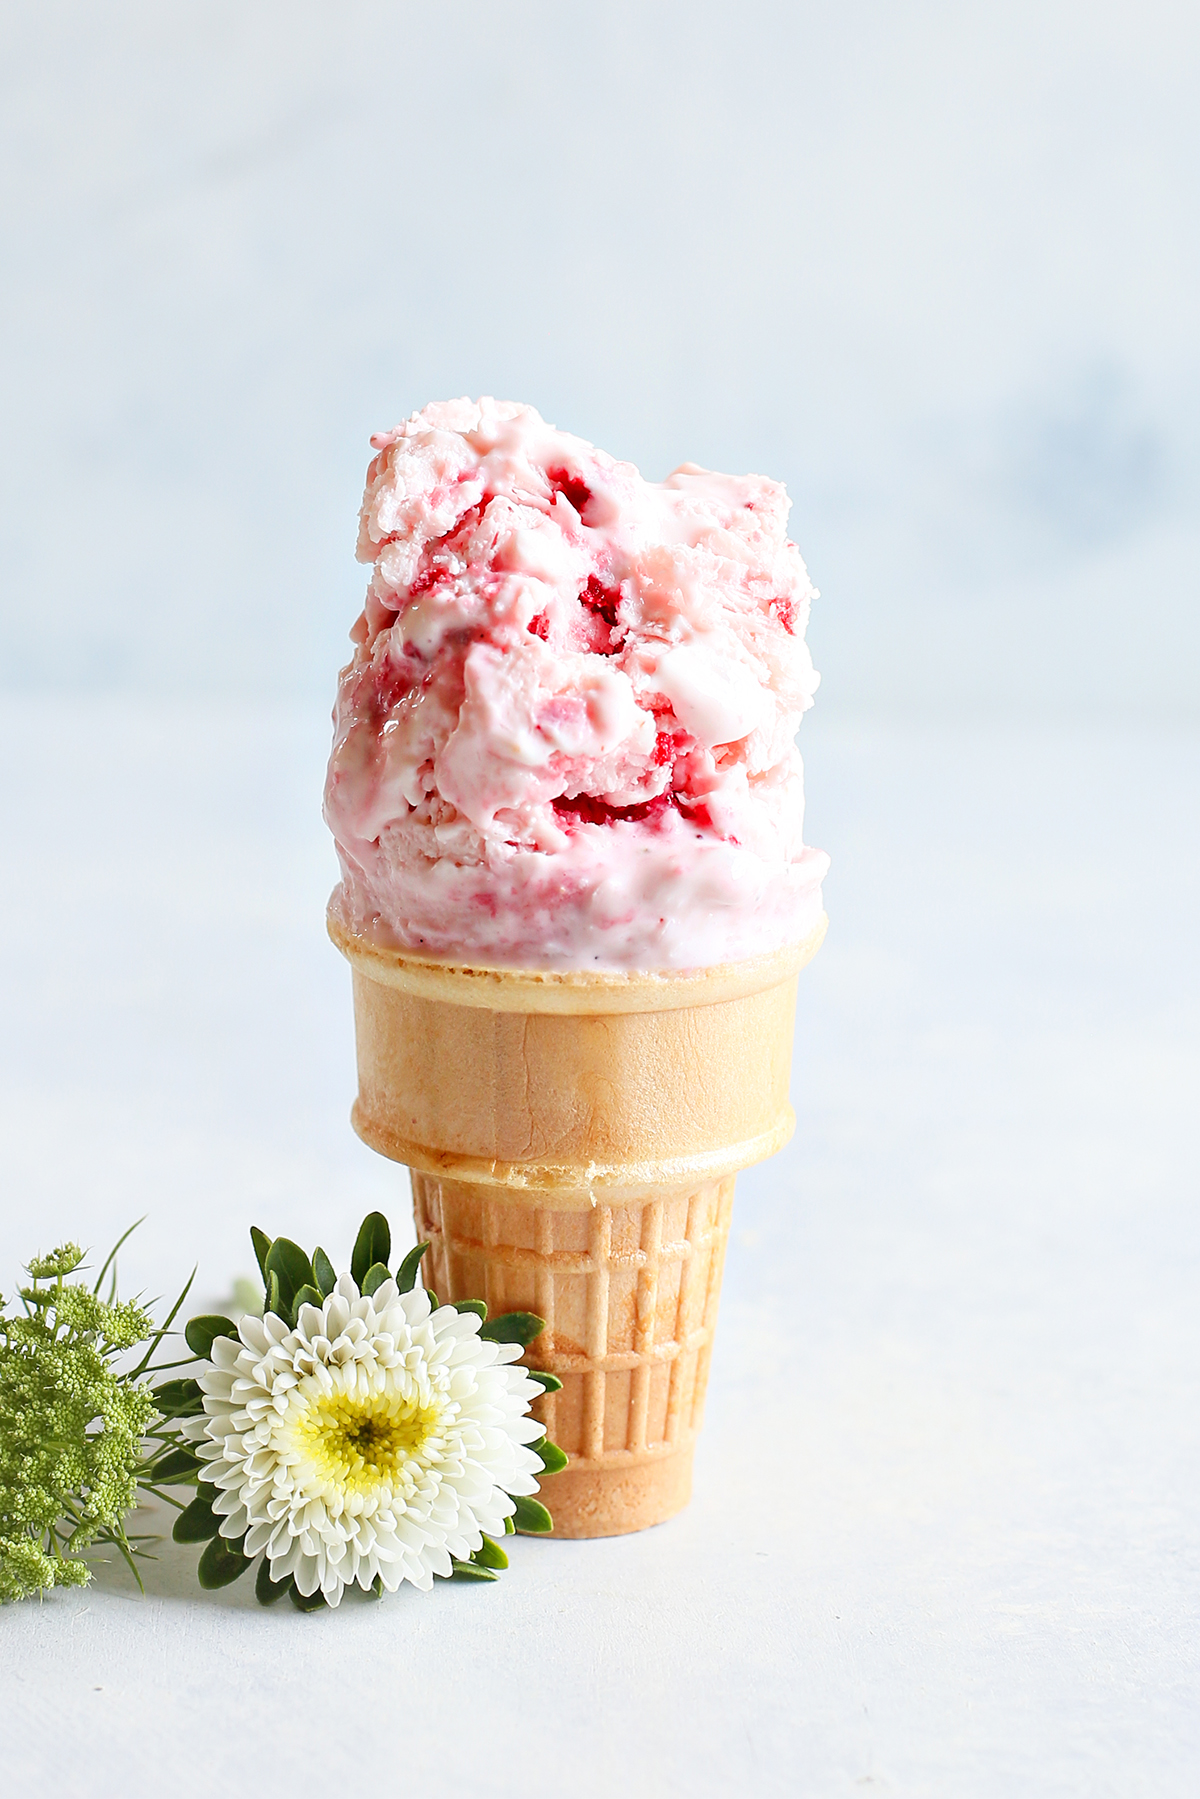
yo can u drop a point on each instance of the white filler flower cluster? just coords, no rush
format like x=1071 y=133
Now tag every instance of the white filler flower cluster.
x=376 y=1438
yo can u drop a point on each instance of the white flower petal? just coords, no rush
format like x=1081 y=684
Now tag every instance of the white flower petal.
x=375 y=1438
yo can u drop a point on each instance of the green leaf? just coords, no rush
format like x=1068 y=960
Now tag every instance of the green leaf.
x=127 y=1551
x=510 y=1529
x=262 y=1249
x=375 y=1590
x=181 y=1464
x=266 y=1590
x=513 y=1327
x=530 y=1516
x=179 y=1398
x=161 y=1332
x=221 y=1564
x=490 y=1555
x=470 y=1305
x=202 y=1332
x=197 y=1522
x=469 y=1571
x=307 y=1296
x=287 y=1260
x=323 y=1269
x=275 y=1296
x=434 y=1301
x=315 y=1602
x=373 y=1244
x=112 y=1256
x=374 y=1278
x=554 y=1459
x=406 y=1274
x=550 y=1382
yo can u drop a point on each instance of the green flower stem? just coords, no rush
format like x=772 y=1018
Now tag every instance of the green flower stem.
x=181 y=1505
x=143 y=1366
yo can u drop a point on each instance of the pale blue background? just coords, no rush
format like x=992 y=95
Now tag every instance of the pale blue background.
x=933 y=264
x=936 y=266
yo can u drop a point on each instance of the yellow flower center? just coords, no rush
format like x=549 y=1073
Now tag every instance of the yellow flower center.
x=357 y=1444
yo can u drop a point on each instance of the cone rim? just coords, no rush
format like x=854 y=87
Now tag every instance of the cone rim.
x=581 y=991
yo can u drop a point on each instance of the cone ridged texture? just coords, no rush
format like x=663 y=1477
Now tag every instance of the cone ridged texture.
x=629 y=1294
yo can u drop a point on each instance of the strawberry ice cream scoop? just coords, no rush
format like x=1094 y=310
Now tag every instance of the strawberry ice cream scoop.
x=566 y=736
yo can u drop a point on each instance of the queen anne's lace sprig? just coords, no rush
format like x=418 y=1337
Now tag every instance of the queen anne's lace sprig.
x=80 y=1435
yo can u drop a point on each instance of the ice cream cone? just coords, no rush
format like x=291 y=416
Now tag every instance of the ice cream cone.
x=573 y=1141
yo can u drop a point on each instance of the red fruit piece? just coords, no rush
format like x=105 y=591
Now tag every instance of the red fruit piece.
x=571 y=487
x=601 y=599
x=585 y=809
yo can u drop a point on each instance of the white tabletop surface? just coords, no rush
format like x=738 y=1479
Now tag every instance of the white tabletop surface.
x=945 y=1537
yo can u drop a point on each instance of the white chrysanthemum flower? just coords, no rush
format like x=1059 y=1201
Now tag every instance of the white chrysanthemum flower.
x=376 y=1438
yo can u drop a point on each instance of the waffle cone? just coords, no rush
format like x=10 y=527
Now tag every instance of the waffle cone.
x=573 y=1141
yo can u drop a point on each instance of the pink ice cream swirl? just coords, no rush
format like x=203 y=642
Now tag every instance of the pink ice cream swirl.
x=566 y=736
